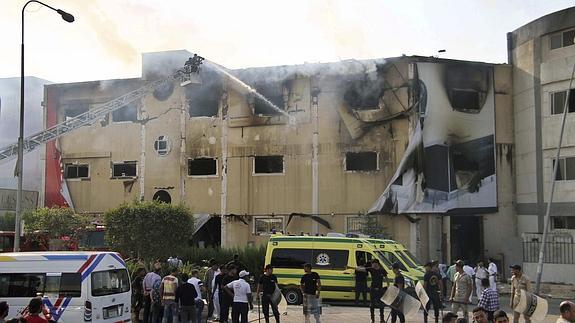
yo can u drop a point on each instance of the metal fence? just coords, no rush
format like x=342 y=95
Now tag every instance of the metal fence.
x=559 y=249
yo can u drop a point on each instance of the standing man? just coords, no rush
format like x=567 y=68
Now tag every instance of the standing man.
x=471 y=273
x=461 y=290
x=398 y=282
x=567 y=310
x=433 y=285
x=492 y=270
x=378 y=275
x=220 y=274
x=208 y=280
x=443 y=272
x=489 y=299
x=480 y=273
x=267 y=286
x=148 y=284
x=451 y=276
x=168 y=290
x=310 y=285
x=519 y=281
x=361 y=283
x=138 y=293
x=199 y=286
x=242 y=297
x=226 y=301
x=186 y=298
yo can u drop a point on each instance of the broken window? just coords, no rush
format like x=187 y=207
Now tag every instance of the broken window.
x=467 y=86
x=363 y=94
x=558 y=101
x=361 y=161
x=274 y=93
x=562 y=39
x=72 y=110
x=162 y=145
x=204 y=100
x=267 y=225
x=268 y=164
x=439 y=173
x=563 y=222
x=204 y=166
x=124 y=169
x=76 y=171
x=162 y=196
x=128 y=112
x=566 y=171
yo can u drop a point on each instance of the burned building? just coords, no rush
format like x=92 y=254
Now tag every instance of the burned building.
x=312 y=149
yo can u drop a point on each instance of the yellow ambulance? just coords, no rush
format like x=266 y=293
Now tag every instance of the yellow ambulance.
x=393 y=251
x=333 y=258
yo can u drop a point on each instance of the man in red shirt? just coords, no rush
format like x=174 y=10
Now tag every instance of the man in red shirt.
x=34 y=310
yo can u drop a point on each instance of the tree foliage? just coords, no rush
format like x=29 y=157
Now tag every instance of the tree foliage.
x=149 y=230
x=55 y=221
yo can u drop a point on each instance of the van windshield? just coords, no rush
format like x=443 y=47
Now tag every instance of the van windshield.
x=389 y=259
x=411 y=257
x=406 y=259
x=110 y=282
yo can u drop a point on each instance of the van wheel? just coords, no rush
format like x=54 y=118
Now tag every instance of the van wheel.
x=293 y=296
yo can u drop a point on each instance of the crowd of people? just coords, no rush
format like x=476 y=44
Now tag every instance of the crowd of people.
x=33 y=313
x=177 y=297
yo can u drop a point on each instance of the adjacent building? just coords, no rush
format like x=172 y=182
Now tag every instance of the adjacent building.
x=543 y=57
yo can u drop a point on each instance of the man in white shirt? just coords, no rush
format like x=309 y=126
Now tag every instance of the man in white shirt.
x=480 y=273
x=199 y=286
x=492 y=269
x=471 y=273
x=242 y=293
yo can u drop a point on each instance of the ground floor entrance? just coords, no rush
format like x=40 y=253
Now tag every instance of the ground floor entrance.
x=466 y=239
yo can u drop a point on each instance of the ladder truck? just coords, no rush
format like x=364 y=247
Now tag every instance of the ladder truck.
x=187 y=75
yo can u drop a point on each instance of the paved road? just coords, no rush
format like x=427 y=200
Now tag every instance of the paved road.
x=347 y=313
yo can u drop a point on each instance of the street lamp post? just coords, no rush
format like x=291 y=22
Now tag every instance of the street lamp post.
x=20 y=162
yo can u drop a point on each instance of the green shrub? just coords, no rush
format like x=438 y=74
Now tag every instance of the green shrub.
x=149 y=230
x=55 y=221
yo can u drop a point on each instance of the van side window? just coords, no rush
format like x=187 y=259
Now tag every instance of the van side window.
x=330 y=259
x=70 y=285
x=21 y=285
x=291 y=258
x=362 y=258
x=64 y=285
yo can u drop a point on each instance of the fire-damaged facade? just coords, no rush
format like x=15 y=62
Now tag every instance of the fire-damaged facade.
x=416 y=147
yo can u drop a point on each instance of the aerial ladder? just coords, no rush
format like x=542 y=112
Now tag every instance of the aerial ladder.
x=188 y=75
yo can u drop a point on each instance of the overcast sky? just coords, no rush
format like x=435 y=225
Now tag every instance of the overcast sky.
x=108 y=36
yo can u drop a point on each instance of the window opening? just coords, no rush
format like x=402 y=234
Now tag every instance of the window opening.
x=267 y=225
x=558 y=101
x=125 y=169
x=126 y=113
x=204 y=166
x=566 y=170
x=162 y=196
x=361 y=161
x=22 y=285
x=272 y=92
x=77 y=171
x=162 y=145
x=110 y=282
x=268 y=164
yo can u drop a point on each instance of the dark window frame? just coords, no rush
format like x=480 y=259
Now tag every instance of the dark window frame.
x=77 y=166
x=559 y=110
x=116 y=113
x=357 y=169
x=10 y=293
x=264 y=218
x=564 y=173
x=256 y=170
x=561 y=40
x=123 y=175
x=191 y=160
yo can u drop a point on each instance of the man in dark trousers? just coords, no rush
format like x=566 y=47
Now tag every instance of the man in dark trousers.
x=398 y=282
x=186 y=299
x=433 y=286
x=138 y=293
x=361 y=283
x=310 y=285
x=378 y=275
x=226 y=301
x=267 y=286
x=241 y=292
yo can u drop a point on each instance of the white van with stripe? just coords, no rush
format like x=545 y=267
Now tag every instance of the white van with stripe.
x=75 y=286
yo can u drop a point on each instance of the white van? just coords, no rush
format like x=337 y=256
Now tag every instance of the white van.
x=75 y=286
